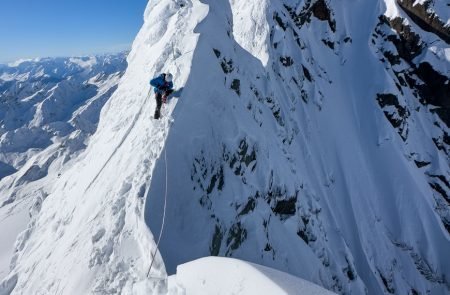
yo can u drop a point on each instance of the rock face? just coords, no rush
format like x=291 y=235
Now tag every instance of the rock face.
x=428 y=20
x=308 y=136
x=436 y=87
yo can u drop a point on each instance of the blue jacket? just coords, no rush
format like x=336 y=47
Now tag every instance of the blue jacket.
x=160 y=84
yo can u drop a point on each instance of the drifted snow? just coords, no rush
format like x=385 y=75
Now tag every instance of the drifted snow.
x=216 y=275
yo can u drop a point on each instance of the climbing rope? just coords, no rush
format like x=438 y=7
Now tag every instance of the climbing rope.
x=163 y=219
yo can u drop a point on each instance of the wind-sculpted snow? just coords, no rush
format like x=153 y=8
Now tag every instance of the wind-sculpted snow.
x=306 y=136
x=214 y=275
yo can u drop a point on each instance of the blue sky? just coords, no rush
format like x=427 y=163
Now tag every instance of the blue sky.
x=41 y=28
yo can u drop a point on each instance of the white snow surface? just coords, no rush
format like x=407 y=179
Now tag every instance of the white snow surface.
x=275 y=151
x=218 y=275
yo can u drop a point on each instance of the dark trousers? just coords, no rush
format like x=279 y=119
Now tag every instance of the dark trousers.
x=158 y=98
x=159 y=101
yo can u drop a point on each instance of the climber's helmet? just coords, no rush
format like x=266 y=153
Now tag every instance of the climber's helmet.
x=169 y=77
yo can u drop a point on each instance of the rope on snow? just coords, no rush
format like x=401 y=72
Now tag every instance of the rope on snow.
x=163 y=219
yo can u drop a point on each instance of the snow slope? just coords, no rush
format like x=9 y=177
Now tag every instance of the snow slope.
x=306 y=136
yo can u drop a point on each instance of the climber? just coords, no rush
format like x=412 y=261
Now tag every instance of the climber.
x=163 y=88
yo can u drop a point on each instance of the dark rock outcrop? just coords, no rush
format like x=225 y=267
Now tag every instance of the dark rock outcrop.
x=429 y=22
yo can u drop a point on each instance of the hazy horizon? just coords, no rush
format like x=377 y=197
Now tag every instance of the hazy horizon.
x=126 y=47
x=38 y=29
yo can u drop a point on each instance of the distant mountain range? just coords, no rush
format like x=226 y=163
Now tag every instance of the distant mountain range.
x=45 y=100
